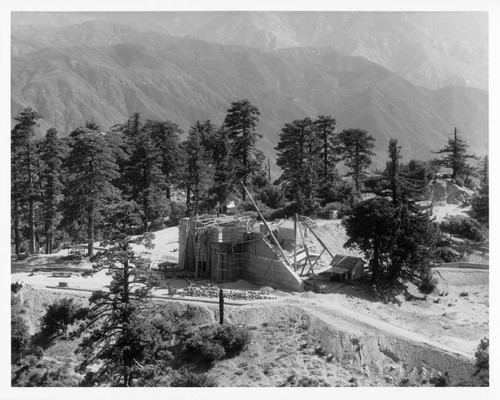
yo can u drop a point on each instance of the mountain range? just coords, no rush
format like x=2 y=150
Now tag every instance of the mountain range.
x=389 y=74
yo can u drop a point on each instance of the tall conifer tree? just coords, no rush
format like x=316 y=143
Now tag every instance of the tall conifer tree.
x=24 y=174
x=91 y=167
x=298 y=157
x=241 y=123
x=355 y=149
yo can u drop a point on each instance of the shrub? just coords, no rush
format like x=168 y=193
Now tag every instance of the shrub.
x=303 y=381
x=190 y=379
x=37 y=373
x=233 y=339
x=440 y=381
x=429 y=282
x=214 y=343
x=459 y=182
x=463 y=226
x=482 y=355
x=447 y=254
x=60 y=315
x=20 y=336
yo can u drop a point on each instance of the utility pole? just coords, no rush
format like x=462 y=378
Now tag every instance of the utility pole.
x=221 y=306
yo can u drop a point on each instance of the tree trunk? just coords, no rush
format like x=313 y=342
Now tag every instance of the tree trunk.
x=196 y=199
x=188 y=198
x=375 y=261
x=325 y=156
x=146 y=215
x=31 y=216
x=125 y=321
x=356 y=172
x=90 y=234
x=46 y=234
x=32 y=226
x=17 y=240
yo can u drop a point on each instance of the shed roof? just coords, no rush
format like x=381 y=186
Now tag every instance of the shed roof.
x=348 y=262
x=339 y=270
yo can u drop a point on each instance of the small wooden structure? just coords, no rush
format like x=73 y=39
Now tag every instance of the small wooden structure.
x=346 y=268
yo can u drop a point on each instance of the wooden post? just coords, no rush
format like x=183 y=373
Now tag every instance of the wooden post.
x=319 y=240
x=221 y=306
x=305 y=246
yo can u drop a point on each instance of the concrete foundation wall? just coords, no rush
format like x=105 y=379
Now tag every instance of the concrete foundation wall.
x=265 y=272
x=262 y=266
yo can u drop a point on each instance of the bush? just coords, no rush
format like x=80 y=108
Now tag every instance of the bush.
x=233 y=339
x=20 y=337
x=429 y=282
x=214 y=343
x=40 y=373
x=463 y=226
x=60 y=315
x=447 y=254
x=190 y=379
x=459 y=182
x=482 y=355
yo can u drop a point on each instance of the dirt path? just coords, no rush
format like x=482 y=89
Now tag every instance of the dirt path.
x=351 y=315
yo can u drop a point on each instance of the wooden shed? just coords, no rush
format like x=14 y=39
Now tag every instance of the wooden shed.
x=346 y=268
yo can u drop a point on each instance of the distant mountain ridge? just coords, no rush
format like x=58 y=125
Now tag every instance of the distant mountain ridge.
x=106 y=71
x=430 y=49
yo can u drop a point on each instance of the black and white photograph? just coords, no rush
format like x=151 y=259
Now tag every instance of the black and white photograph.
x=248 y=198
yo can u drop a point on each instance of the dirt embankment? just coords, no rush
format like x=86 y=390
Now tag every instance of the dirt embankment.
x=296 y=339
x=334 y=350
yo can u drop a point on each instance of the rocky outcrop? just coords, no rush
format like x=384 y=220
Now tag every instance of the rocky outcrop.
x=445 y=191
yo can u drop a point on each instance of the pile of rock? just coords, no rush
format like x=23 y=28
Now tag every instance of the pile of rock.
x=212 y=291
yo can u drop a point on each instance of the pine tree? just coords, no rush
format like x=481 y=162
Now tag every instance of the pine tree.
x=370 y=226
x=52 y=154
x=298 y=157
x=166 y=136
x=199 y=169
x=146 y=181
x=480 y=202
x=241 y=122
x=397 y=235
x=224 y=170
x=455 y=155
x=91 y=167
x=393 y=169
x=24 y=174
x=355 y=149
x=110 y=337
x=328 y=154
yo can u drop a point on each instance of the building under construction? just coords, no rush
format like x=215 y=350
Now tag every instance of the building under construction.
x=227 y=248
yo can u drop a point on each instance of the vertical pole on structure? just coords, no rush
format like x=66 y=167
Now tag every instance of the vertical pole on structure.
x=268 y=227
x=221 y=306
x=304 y=244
